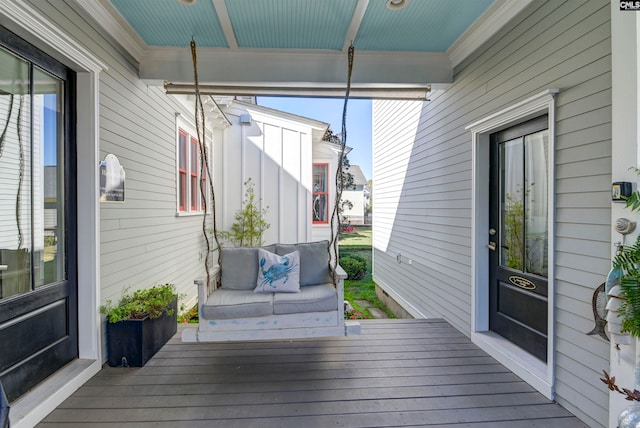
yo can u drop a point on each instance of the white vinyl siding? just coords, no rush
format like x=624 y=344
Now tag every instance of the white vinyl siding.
x=423 y=171
x=142 y=242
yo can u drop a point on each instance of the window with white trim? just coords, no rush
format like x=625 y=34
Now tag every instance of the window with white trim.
x=189 y=174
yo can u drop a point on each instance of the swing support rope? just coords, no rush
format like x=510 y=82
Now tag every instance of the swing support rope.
x=204 y=168
x=335 y=215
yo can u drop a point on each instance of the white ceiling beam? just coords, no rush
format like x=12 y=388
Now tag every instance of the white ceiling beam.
x=356 y=21
x=225 y=23
x=252 y=66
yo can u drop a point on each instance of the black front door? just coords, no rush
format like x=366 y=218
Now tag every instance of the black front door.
x=518 y=235
x=38 y=291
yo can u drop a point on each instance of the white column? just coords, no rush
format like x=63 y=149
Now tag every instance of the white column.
x=625 y=57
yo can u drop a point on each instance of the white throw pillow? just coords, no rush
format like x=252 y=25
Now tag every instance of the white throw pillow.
x=278 y=274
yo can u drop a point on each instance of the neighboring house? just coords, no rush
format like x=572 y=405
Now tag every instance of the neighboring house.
x=434 y=231
x=288 y=163
x=538 y=93
x=357 y=195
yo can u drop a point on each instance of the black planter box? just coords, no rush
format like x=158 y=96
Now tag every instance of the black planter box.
x=133 y=342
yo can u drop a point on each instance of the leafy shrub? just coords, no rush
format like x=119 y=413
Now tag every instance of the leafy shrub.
x=353 y=314
x=190 y=316
x=148 y=302
x=354 y=265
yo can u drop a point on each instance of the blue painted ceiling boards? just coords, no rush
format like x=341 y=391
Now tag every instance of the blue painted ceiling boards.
x=291 y=24
x=423 y=25
x=171 y=23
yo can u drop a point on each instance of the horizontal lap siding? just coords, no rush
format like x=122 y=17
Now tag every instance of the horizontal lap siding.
x=142 y=242
x=422 y=171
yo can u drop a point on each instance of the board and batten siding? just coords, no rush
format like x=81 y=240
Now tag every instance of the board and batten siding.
x=275 y=150
x=142 y=241
x=422 y=168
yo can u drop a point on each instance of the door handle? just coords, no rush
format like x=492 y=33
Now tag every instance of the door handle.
x=3 y=267
x=491 y=245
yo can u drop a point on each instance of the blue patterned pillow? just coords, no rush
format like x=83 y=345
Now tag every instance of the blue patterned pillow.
x=278 y=274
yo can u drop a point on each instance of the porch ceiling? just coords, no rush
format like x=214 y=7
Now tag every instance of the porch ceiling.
x=301 y=42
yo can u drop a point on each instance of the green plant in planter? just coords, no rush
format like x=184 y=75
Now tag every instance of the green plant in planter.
x=628 y=259
x=149 y=302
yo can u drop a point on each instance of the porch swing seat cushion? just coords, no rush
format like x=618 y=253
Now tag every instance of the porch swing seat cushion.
x=230 y=304
x=317 y=298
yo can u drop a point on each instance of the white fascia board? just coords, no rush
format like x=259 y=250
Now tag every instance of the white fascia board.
x=105 y=15
x=492 y=21
x=281 y=115
x=295 y=67
x=27 y=23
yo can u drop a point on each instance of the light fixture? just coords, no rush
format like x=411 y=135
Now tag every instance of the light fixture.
x=396 y=4
x=388 y=92
x=187 y=2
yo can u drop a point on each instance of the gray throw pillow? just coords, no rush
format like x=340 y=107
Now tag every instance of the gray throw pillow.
x=314 y=261
x=239 y=268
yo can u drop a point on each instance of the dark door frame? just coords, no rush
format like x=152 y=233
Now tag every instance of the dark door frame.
x=50 y=295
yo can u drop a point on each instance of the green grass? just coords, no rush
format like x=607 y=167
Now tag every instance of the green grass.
x=364 y=289
x=360 y=237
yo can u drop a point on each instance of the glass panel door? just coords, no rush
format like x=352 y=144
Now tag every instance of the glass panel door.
x=15 y=177
x=38 y=284
x=49 y=233
x=518 y=235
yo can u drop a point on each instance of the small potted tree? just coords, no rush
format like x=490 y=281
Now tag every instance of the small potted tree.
x=140 y=324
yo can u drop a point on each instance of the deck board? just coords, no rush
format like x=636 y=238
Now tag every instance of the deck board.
x=397 y=373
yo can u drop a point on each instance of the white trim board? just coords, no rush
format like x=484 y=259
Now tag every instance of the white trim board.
x=534 y=372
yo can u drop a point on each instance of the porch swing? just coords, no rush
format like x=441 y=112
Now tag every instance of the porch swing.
x=240 y=297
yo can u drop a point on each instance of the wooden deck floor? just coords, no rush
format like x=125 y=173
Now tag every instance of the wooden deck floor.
x=397 y=373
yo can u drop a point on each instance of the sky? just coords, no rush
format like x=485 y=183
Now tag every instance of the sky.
x=329 y=110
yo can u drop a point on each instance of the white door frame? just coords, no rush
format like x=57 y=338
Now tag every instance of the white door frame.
x=533 y=371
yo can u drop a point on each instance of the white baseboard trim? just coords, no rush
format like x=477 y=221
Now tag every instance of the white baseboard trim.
x=33 y=407
x=532 y=370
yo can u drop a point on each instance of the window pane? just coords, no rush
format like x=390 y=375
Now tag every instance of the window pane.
x=182 y=190
x=194 y=174
x=48 y=213
x=182 y=151
x=194 y=192
x=512 y=201
x=319 y=178
x=320 y=208
x=15 y=177
x=536 y=201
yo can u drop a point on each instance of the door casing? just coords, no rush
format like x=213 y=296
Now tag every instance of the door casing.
x=533 y=371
